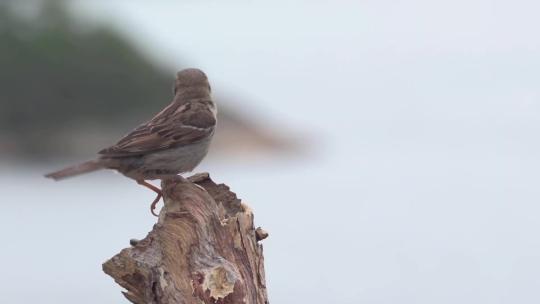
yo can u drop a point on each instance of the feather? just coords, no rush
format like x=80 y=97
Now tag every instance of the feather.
x=88 y=166
x=181 y=123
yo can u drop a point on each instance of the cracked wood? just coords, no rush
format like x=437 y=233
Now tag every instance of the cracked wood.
x=204 y=249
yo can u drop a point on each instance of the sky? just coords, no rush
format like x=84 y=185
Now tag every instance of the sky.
x=423 y=117
x=353 y=64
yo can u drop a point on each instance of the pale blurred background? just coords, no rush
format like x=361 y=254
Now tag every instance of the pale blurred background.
x=389 y=147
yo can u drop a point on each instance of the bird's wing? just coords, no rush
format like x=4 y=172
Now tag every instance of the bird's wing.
x=177 y=125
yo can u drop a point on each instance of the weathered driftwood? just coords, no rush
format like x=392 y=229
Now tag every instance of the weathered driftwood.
x=204 y=249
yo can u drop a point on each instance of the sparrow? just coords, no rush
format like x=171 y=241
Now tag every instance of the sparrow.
x=174 y=141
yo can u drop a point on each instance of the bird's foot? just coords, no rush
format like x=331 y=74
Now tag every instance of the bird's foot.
x=156 y=190
x=154 y=203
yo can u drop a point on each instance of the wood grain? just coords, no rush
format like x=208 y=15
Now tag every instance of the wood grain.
x=203 y=249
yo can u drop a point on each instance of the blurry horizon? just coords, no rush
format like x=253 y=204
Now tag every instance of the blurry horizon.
x=420 y=118
x=72 y=87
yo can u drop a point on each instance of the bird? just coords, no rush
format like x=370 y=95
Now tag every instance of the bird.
x=174 y=141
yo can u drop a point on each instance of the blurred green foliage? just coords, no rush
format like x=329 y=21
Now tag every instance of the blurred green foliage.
x=56 y=74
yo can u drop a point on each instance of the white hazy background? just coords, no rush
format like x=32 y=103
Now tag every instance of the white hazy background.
x=423 y=183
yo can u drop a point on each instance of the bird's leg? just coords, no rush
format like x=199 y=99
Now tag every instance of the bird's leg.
x=149 y=186
x=156 y=190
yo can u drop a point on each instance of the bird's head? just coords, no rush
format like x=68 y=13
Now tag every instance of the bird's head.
x=191 y=79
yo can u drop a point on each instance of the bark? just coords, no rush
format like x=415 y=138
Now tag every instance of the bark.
x=203 y=249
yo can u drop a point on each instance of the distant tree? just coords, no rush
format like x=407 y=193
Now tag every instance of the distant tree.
x=55 y=74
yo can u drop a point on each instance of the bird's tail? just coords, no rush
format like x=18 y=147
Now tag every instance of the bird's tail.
x=89 y=166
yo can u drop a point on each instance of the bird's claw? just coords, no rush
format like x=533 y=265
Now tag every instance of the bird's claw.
x=154 y=203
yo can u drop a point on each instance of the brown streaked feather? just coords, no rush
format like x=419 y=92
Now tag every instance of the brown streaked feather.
x=177 y=125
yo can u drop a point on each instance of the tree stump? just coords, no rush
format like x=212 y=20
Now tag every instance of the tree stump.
x=203 y=249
